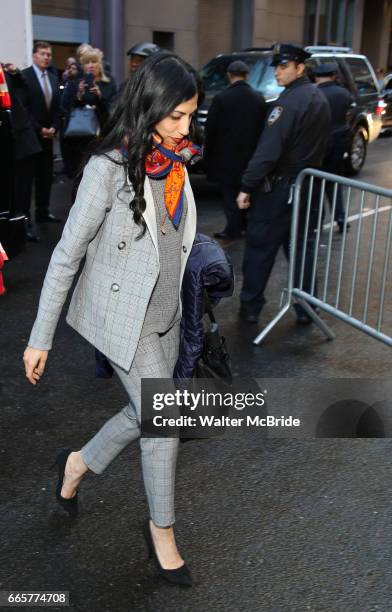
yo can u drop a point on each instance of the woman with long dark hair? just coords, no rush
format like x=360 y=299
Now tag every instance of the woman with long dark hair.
x=134 y=221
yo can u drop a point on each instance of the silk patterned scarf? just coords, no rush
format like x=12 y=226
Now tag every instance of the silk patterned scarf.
x=169 y=163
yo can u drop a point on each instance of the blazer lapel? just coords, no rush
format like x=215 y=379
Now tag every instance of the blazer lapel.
x=39 y=94
x=190 y=221
x=37 y=85
x=189 y=230
x=191 y=218
x=149 y=214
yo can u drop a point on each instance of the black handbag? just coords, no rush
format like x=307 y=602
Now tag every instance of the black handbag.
x=214 y=361
x=213 y=364
x=83 y=123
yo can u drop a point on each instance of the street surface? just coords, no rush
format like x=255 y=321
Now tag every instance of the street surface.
x=266 y=525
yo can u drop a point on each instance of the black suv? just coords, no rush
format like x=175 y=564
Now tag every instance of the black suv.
x=12 y=225
x=355 y=73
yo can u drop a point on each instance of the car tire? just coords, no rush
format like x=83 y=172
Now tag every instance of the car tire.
x=357 y=153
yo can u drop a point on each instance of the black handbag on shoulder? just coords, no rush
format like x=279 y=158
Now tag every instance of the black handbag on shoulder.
x=214 y=361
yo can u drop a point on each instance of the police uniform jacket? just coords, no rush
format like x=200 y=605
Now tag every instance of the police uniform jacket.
x=295 y=135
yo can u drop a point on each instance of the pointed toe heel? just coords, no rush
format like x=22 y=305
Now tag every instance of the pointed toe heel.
x=180 y=575
x=70 y=505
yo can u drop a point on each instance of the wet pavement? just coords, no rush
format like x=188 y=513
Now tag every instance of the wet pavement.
x=267 y=525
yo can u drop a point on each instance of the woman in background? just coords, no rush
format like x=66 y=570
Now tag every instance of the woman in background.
x=93 y=88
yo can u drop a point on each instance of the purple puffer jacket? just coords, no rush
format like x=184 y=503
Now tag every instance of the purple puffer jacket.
x=208 y=267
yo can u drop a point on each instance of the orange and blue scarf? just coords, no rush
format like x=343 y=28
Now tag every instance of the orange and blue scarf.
x=164 y=162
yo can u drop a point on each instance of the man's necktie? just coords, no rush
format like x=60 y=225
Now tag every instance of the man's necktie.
x=46 y=90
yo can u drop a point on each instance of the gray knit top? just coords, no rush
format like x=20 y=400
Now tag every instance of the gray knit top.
x=163 y=309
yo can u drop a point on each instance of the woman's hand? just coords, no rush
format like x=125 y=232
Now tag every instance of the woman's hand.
x=34 y=361
x=95 y=90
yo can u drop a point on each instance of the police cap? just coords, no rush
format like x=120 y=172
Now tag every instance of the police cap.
x=144 y=49
x=284 y=53
x=328 y=69
x=238 y=67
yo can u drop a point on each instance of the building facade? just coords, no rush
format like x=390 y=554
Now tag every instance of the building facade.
x=199 y=29
x=364 y=25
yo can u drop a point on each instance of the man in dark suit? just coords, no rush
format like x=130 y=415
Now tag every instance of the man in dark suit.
x=235 y=121
x=44 y=108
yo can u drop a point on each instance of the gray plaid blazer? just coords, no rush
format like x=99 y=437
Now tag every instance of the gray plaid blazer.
x=110 y=299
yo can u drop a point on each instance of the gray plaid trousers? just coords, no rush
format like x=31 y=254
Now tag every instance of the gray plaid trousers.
x=155 y=357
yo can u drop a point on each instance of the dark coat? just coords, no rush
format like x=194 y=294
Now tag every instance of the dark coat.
x=40 y=115
x=208 y=267
x=102 y=104
x=340 y=101
x=25 y=139
x=235 y=121
x=295 y=136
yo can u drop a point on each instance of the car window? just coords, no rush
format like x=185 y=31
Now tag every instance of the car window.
x=310 y=63
x=362 y=76
x=268 y=86
x=261 y=74
x=214 y=73
x=388 y=84
x=256 y=73
x=340 y=77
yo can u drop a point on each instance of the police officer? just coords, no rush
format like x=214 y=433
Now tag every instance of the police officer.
x=340 y=101
x=137 y=54
x=295 y=137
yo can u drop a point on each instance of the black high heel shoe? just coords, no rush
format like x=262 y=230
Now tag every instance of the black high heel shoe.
x=180 y=575
x=70 y=505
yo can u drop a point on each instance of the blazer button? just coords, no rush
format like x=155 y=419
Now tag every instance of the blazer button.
x=115 y=287
x=121 y=245
x=184 y=249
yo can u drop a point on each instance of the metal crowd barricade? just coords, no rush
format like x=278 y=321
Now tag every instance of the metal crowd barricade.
x=346 y=275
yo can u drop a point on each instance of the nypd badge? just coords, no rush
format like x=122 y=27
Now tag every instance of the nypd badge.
x=274 y=115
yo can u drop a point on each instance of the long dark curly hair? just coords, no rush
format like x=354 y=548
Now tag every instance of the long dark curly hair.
x=159 y=85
